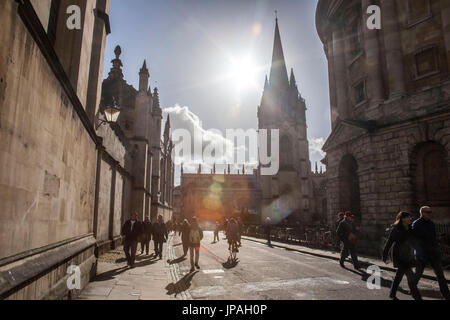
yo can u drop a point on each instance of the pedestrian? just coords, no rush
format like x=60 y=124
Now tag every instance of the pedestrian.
x=241 y=229
x=268 y=230
x=195 y=236
x=225 y=227
x=131 y=230
x=184 y=232
x=233 y=233
x=216 y=232
x=341 y=216
x=346 y=232
x=402 y=254
x=146 y=235
x=160 y=236
x=427 y=249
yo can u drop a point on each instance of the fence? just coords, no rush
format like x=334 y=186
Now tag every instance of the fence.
x=319 y=237
x=323 y=237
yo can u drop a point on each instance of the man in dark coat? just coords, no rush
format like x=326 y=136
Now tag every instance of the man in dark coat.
x=346 y=232
x=341 y=216
x=131 y=231
x=146 y=236
x=427 y=249
x=160 y=236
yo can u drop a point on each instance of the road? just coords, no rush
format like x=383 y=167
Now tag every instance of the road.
x=264 y=273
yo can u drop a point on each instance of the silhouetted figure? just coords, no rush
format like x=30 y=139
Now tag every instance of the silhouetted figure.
x=131 y=230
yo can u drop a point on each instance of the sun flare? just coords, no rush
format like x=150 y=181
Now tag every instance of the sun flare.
x=243 y=72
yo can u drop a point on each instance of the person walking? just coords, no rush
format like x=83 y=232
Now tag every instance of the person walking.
x=402 y=254
x=160 y=236
x=268 y=230
x=184 y=233
x=195 y=236
x=233 y=234
x=146 y=235
x=241 y=229
x=131 y=230
x=346 y=232
x=427 y=249
x=216 y=232
x=341 y=216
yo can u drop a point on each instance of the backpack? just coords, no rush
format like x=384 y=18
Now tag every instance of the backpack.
x=195 y=236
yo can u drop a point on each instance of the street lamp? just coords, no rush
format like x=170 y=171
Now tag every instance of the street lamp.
x=111 y=114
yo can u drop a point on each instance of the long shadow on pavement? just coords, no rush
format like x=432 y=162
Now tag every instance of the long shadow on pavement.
x=177 y=260
x=109 y=275
x=182 y=285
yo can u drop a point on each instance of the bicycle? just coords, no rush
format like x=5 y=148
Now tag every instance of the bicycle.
x=233 y=249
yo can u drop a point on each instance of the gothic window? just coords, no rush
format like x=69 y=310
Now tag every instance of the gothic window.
x=360 y=92
x=418 y=10
x=432 y=180
x=426 y=62
x=286 y=152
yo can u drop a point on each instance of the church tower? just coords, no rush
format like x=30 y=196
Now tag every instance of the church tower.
x=287 y=194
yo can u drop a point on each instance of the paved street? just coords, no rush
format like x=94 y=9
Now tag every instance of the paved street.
x=262 y=273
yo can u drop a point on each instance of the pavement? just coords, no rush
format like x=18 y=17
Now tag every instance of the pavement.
x=280 y=272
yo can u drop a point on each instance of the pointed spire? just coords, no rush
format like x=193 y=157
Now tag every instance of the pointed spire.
x=156 y=98
x=143 y=77
x=167 y=128
x=292 y=80
x=317 y=170
x=266 y=83
x=182 y=168
x=229 y=169
x=321 y=169
x=278 y=72
x=243 y=169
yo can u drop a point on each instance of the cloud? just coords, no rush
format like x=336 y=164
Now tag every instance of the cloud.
x=183 y=118
x=315 y=147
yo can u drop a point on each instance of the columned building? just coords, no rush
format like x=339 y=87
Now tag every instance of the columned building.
x=389 y=149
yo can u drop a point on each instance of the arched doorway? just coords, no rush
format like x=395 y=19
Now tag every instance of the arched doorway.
x=431 y=177
x=349 y=192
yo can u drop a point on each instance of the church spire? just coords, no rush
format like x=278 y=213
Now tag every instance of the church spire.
x=278 y=71
x=167 y=129
x=143 y=77
x=116 y=70
x=292 y=80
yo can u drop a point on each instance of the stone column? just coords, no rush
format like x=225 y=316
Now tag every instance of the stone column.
x=393 y=48
x=374 y=88
x=340 y=74
x=445 y=16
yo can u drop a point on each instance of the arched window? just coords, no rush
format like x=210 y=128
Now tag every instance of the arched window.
x=286 y=152
x=432 y=178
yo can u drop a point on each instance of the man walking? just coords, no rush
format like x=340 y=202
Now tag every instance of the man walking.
x=160 y=236
x=131 y=231
x=216 y=232
x=195 y=236
x=341 y=216
x=146 y=236
x=427 y=249
x=346 y=232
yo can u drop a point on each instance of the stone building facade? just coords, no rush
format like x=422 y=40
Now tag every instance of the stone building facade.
x=50 y=79
x=150 y=155
x=295 y=193
x=68 y=180
x=389 y=149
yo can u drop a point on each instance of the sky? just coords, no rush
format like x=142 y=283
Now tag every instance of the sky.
x=209 y=59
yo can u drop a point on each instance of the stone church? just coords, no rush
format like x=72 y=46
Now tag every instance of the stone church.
x=295 y=193
x=151 y=156
x=389 y=149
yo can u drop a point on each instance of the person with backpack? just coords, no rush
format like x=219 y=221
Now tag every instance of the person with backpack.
x=402 y=254
x=195 y=236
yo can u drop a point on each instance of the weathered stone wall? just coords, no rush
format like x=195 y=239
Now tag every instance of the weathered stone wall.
x=47 y=158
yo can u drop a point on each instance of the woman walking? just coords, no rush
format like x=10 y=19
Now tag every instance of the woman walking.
x=195 y=236
x=402 y=254
x=184 y=232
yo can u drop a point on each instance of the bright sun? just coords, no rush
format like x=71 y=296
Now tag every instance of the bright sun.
x=243 y=72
